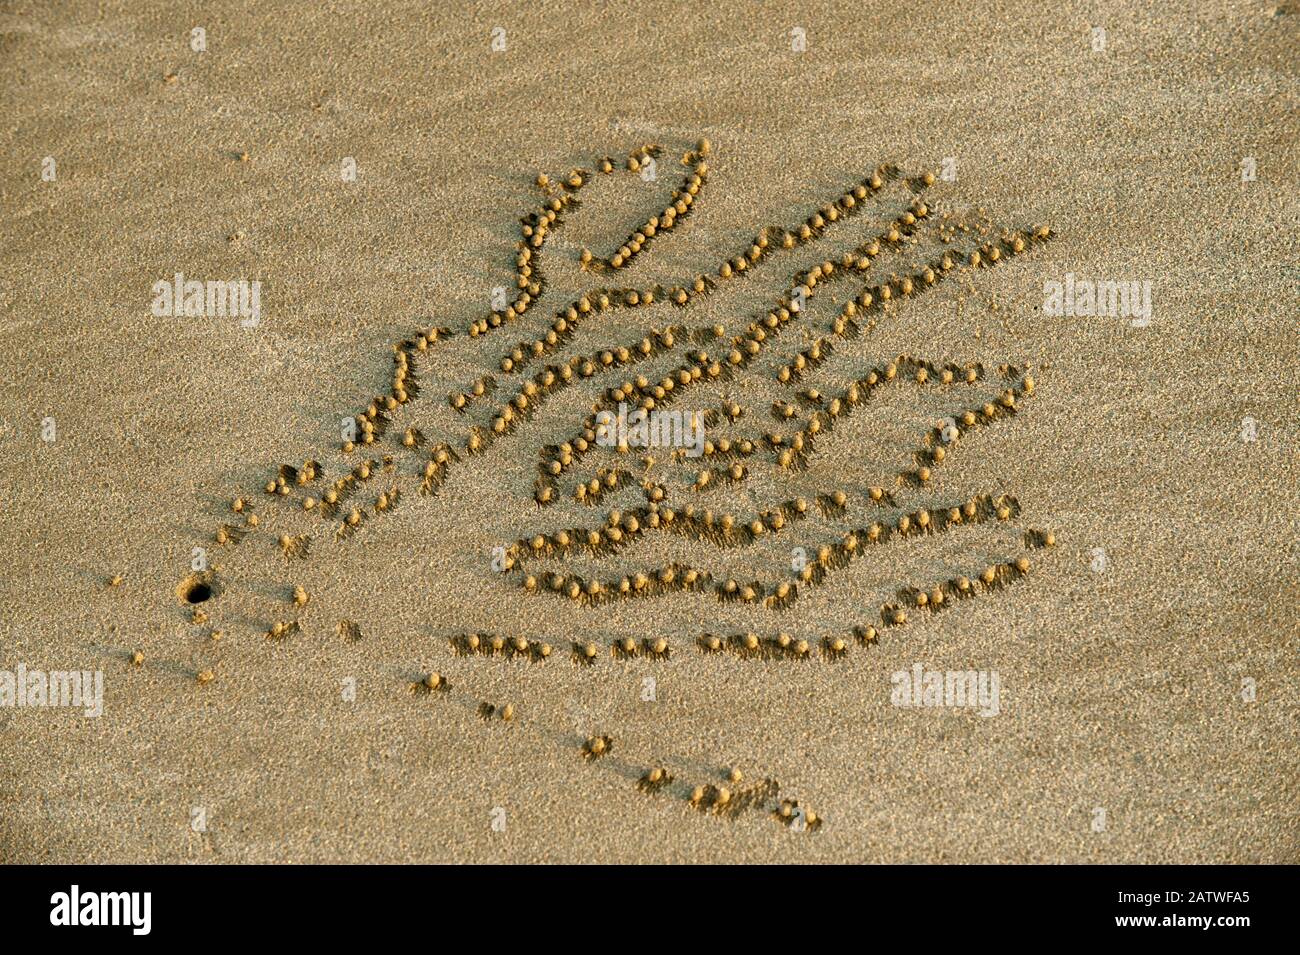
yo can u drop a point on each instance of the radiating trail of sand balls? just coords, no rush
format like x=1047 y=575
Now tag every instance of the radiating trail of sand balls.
x=535 y=227
x=525 y=402
x=648 y=395
x=946 y=594
x=501 y=424
x=679 y=207
x=723 y=530
x=393 y=460
x=622 y=528
x=770 y=240
x=792 y=452
x=796 y=448
x=749 y=646
x=857 y=315
x=779 y=594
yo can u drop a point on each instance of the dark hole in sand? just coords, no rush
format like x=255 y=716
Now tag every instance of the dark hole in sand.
x=197 y=588
x=197 y=593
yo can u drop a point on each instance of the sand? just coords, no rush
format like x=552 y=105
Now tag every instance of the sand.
x=1125 y=689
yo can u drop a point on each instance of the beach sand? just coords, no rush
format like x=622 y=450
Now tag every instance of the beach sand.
x=1147 y=663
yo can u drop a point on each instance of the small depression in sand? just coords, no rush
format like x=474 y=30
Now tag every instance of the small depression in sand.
x=197 y=588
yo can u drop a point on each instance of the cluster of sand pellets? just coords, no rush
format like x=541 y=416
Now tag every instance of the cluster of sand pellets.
x=730 y=797
x=387 y=452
